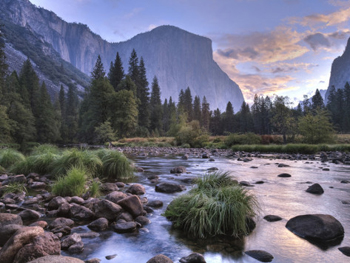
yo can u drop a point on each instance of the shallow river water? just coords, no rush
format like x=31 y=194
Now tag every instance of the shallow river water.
x=285 y=197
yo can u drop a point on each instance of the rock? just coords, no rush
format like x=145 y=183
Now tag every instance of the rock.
x=61 y=230
x=142 y=220
x=120 y=184
x=7 y=219
x=136 y=189
x=42 y=245
x=31 y=201
x=93 y=260
x=284 y=175
x=169 y=188
x=109 y=187
x=125 y=227
x=178 y=170
x=259 y=182
x=61 y=222
x=56 y=202
x=78 y=200
x=211 y=169
x=139 y=169
x=160 y=259
x=184 y=157
x=345 y=251
x=64 y=210
x=109 y=257
x=38 y=185
x=7 y=231
x=56 y=259
x=20 y=178
x=106 y=209
x=19 y=239
x=132 y=204
x=315 y=189
x=81 y=212
x=99 y=224
x=126 y=217
x=28 y=214
x=282 y=165
x=42 y=224
x=155 y=204
x=317 y=227
x=245 y=183
x=272 y=218
x=193 y=258
x=90 y=234
x=115 y=196
x=260 y=255
x=205 y=155
x=211 y=160
x=70 y=240
x=76 y=248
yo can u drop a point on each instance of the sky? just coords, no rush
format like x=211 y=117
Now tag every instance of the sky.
x=268 y=47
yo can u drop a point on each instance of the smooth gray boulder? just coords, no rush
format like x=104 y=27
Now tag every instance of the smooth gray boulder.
x=260 y=255
x=315 y=189
x=193 y=258
x=169 y=188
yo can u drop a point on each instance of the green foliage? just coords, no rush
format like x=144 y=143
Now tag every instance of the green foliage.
x=45 y=148
x=15 y=188
x=217 y=206
x=188 y=133
x=2 y=170
x=72 y=184
x=5 y=127
x=94 y=189
x=104 y=133
x=9 y=157
x=247 y=138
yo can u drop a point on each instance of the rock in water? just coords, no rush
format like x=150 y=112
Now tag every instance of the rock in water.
x=315 y=189
x=260 y=255
x=193 y=258
x=345 y=251
x=316 y=227
x=272 y=218
x=160 y=259
x=56 y=259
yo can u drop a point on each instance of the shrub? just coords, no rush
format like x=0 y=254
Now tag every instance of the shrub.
x=9 y=157
x=115 y=165
x=71 y=184
x=44 y=149
x=94 y=189
x=247 y=138
x=217 y=206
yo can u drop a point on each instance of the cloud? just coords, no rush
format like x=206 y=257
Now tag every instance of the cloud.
x=291 y=67
x=317 y=40
x=326 y=40
x=132 y=13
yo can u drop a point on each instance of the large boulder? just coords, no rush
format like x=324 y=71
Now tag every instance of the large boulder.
x=116 y=196
x=106 y=209
x=315 y=189
x=160 y=259
x=99 y=224
x=169 y=188
x=136 y=189
x=61 y=222
x=56 y=259
x=7 y=231
x=70 y=240
x=42 y=245
x=18 y=240
x=81 y=212
x=125 y=227
x=316 y=227
x=109 y=187
x=29 y=214
x=193 y=258
x=7 y=219
x=132 y=204
x=56 y=202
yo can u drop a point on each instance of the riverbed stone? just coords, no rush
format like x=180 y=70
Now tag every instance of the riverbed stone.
x=29 y=214
x=7 y=231
x=142 y=220
x=317 y=227
x=19 y=239
x=116 y=196
x=193 y=258
x=132 y=204
x=106 y=209
x=61 y=222
x=169 y=187
x=100 y=224
x=272 y=218
x=78 y=200
x=64 y=210
x=260 y=255
x=136 y=189
x=7 y=219
x=155 y=203
x=315 y=189
x=93 y=260
x=42 y=224
x=81 y=212
x=345 y=250
x=125 y=227
x=284 y=175
x=178 y=170
x=70 y=240
x=56 y=202
x=125 y=216
x=56 y=259
x=109 y=187
x=42 y=245
x=160 y=259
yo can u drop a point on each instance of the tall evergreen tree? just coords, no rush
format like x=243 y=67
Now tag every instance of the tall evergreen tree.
x=205 y=114
x=143 y=96
x=228 y=119
x=63 y=109
x=317 y=101
x=246 y=119
x=3 y=65
x=347 y=108
x=116 y=72
x=156 y=107
x=188 y=106
x=197 y=110
x=128 y=84
x=133 y=70
x=98 y=71
x=166 y=116
x=71 y=113
x=216 y=123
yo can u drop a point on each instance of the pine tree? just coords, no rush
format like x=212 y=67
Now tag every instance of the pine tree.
x=216 y=123
x=72 y=113
x=205 y=114
x=166 y=116
x=133 y=70
x=246 y=119
x=3 y=65
x=128 y=84
x=197 y=110
x=156 y=107
x=317 y=101
x=228 y=119
x=63 y=110
x=98 y=71
x=116 y=72
x=347 y=108
x=143 y=96
x=181 y=103
x=188 y=106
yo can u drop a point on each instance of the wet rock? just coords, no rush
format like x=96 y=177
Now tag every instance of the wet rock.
x=56 y=202
x=254 y=167
x=136 y=189
x=106 y=209
x=132 y=204
x=193 y=258
x=245 y=183
x=7 y=219
x=160 y=259
x=42 y=245
x=139 y=169
x=100 y=224
x=70 y=240
x=211 y=160
x=155 y=204
x=282 y=165
x=317 y=227
x=61 y=230
x=20 y=178
x=93 y=260
x=260 y=255
x=344 y=181
x=64 y=210
x=120 y=184
x=153 y=177
x=178 y=170
x=272 y=218
x=19 y=239
x=38 y=185
x=109 y=187
x=81 y=212
x=126 y=217
x=7 y=231
x=345 y=251
x=142 y=220
x=259 y=182
x=125 y=227
x=115 y=196
x=31 y=201
x=42 y=224
x=148 y=209
x=284 y=175
x=169 y=188
x=212 y=169
x=109 y=257
x=56 y=259
x=315 y=189
x=90 y=234
x=61 y=222
x=76 y=248
x=78 y=200
x=52 y=213
x=205 y=155
x=325 y=169
x=28 y=215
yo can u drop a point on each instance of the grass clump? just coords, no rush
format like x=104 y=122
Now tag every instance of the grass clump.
x=216 y=206
x=94 y=189
x=246 y=138
x=115 y=165
x=2 y=170
x=45 y=149
x=9 y=157
x=14 y=188
x=72 y=184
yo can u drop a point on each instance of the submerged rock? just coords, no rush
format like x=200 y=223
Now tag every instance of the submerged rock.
x=272 y=218
x=345 y=251
x=136 y=189
x=315 y=189
x=99 y=224
x=169 y=188
x=178 y=170
x=284 y=175
x=160 y=259
x=260 y=255
x=193 y=258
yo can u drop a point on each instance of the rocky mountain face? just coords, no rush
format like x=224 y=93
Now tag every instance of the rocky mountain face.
x=340 y=72
x=178 y=58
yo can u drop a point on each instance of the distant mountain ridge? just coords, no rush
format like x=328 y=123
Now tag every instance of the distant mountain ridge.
x=178 y=58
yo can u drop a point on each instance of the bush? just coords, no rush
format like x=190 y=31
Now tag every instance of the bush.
x=72 y=184
x=247 y=138
x=9 y=157
x=44 y=149
x=94 y=189
x=217 y=206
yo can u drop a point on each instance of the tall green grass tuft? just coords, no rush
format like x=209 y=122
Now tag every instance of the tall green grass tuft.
x=75 y=158
x=94 y=189
x=115 y=165
x=45 y=149
x=2 y=170
x=14 y=188
x=71 y=184
x=9 y=157
x=217 y=206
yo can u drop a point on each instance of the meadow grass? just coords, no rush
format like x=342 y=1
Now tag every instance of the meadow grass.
x=72 y=184
x=94 y=189
x=9 y=157
x=14 y=188
x=216 y=206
